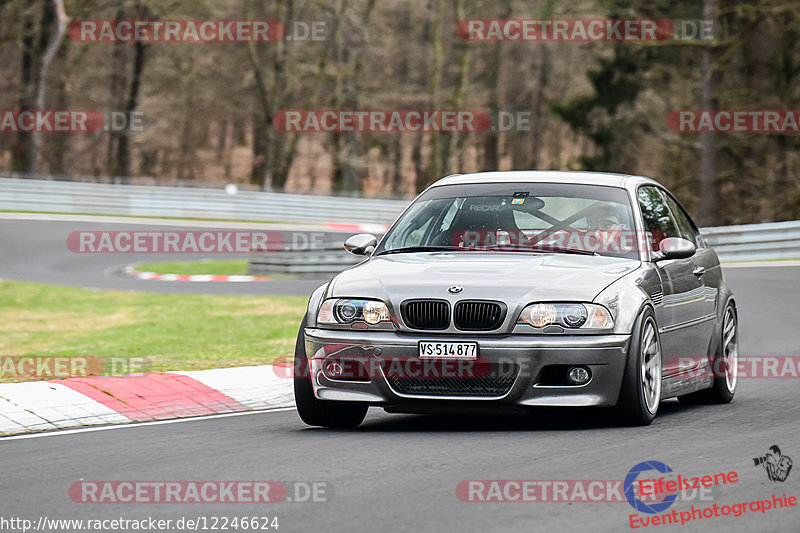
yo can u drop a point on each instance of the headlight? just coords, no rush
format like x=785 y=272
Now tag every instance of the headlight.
x=348 y=310
x=374 y=312
x=567 y=315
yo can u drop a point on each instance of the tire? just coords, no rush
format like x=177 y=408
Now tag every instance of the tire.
x=640 y=394
x=316 y=412
x=725 y=361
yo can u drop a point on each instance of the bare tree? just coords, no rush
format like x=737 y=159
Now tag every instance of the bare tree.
x=123 y=162
x=272 y=162
x=708 y=156
x=350 y=154
x=60 y=19
x=436 y=165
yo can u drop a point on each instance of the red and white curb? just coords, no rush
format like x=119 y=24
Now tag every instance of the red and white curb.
x=130 y=270
x=95 y=400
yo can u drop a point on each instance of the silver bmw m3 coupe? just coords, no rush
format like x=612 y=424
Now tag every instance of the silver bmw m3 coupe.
x=522 y=289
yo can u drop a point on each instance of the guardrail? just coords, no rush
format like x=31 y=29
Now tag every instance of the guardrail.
x=142 y=200
x=753 y=242
x=324 y=261
x=778 y=240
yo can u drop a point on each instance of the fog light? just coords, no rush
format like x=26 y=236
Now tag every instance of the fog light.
x=578 y=375
x=333 y=369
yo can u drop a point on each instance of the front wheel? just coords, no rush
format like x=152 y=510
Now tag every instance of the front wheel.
x=313 y=411
x=640 y=394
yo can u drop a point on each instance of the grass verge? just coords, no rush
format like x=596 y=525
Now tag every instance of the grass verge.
x=224 y=267
x=173 y=331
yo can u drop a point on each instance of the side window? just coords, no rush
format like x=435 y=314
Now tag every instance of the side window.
x=657 y=221
x=684 y=225
x=419 y=220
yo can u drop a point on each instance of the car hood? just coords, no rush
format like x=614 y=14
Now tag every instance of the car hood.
x=509 y=277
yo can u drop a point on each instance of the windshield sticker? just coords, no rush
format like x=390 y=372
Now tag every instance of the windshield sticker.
x=486 y=207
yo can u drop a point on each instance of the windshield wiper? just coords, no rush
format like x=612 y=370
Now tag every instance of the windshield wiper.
x=541 y=249
x=538 y=249
x=411 y=249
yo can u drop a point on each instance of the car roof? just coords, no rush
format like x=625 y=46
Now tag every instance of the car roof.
x=543 y=176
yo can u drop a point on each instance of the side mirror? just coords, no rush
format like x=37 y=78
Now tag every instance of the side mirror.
x=675 y=248
x=361 y=244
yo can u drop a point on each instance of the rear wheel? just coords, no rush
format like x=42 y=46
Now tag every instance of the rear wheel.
x=725 y=366
x=640 y=394
x=316 y=412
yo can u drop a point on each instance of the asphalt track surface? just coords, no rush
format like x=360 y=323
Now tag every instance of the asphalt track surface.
x=400 y=472
x=36 y=250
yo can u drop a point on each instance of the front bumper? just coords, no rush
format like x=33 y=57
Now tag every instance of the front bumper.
x=603 y=355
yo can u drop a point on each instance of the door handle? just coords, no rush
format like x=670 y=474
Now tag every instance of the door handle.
x=699 y=271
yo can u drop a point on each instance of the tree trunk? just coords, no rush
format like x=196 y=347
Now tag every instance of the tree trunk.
x=436 y=166
x=59 y=144
x=19 y=160
x=538 y=115
x=273 y=170
x=124 y=160
x=118 y=83
x=351 y=157
x=491 y=144
x=397 y=168
x=59 y=17
x=453 y=138
x=708 y=157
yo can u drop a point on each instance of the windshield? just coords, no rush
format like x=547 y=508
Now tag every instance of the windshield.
x=517 y=217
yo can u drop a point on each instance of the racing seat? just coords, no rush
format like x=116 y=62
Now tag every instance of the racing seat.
x=483 y=215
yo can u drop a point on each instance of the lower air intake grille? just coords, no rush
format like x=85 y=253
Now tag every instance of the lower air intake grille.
x=477 y=380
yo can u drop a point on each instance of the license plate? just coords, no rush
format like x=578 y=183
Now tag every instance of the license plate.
x=453 y=350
